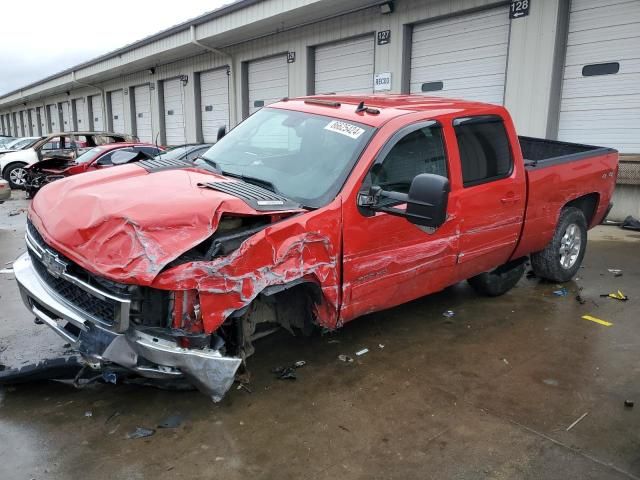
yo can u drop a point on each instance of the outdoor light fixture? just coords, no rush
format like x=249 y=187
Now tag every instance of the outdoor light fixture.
x=386 y=8
x=151 y=71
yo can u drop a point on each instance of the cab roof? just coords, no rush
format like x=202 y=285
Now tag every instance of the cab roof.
x=389 y=105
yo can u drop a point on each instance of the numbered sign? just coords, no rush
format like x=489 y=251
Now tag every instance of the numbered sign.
x=519 y=8
x=384 y=37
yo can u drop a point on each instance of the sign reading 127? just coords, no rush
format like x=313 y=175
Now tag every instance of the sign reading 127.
x=519 y=8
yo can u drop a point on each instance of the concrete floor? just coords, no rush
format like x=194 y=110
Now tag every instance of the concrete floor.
x=488 y=393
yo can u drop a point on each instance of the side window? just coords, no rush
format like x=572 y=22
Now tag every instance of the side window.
x=106 y=159
x=485 y=154
x=151 y=151
x=420 y=151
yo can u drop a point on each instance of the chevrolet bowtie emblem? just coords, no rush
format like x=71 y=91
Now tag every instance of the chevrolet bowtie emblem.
x=54 y=265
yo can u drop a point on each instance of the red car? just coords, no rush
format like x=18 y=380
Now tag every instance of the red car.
x=41 y=173
x=312 y=212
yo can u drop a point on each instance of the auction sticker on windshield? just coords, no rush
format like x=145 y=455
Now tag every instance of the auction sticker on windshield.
x=344 y=128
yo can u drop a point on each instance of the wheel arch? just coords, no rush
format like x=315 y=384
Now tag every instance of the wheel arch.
x=588 y=204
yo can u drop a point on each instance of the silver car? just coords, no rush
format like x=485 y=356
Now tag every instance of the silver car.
x=5 y=191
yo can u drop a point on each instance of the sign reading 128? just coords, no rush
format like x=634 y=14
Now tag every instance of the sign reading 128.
x=519 y=8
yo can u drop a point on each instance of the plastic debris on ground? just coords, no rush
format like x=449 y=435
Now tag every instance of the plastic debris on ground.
x=597 y=320
x=172 y=421
x=140 y=432
x=616 y=295
x=580 y=299
x=577 y=421
x=629 y=403
x=380 y=346
x=561 y=292
x=345 y=358
x=449 y=314
x=88 y=413
x=359 y=353
x=110 y=377
x=288 y=372
x=616 y=272
x=631 y=223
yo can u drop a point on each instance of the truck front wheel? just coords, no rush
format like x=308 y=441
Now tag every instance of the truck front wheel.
x=560 y=261
x=499 y=281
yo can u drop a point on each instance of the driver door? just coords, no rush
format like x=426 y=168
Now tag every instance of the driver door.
x=387 y=260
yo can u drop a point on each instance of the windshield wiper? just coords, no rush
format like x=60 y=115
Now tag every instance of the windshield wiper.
x=253 y=180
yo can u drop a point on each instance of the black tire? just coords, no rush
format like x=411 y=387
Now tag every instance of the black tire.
x=499 y=281
x=10 y=171
x=551 y=264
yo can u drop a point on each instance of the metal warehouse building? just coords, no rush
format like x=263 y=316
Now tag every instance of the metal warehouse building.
x=565 y=69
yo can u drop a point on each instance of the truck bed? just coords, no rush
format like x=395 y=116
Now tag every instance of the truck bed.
x=558 y=173
x=540 y=152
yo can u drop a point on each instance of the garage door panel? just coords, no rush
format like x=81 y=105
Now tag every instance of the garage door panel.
x=468 y=53
x=142 y=102
x=97 y=113
x=117 y=111
x=81 y=119
x=345 y=67
x=214 y=98
x=268 y=81
x=174 y=112
x=602 y=109
x=589 y=4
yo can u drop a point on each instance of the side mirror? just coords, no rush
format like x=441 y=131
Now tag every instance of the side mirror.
x=426 y=201
x=222 y=131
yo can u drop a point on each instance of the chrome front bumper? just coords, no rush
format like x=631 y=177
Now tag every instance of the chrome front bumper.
x=147 y=355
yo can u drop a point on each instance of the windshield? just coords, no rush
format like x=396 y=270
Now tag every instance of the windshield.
x=305 y=157
x=89 y=155
x=22 y=143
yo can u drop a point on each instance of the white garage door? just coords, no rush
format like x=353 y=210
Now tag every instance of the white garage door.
x=33 y=121
x=174 y=112
x=21 y=124
x=345 y=67
x=97 y=115
x=41 y=118
x=81 y=118
x=214 y=102
x=268 y=81
x=52 y=113
x=117 y=110
x=601 y=86
x=67 y=126
x=462 y=57
x=142 y=101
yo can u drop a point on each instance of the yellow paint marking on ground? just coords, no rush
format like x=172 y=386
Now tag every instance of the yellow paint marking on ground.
x=597 y=320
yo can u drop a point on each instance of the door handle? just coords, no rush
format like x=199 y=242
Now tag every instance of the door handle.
x=509 y=199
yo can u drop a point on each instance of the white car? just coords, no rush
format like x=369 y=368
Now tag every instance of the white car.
x=67 y=144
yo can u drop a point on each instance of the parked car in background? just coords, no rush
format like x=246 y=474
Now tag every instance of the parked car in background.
x=5 y=191
x=187 y=152
x=50 y=169
x=4 y=140
x=68 y=144
x=310 y=213
x=18 y=144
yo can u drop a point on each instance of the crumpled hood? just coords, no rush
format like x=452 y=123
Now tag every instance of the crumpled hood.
x=127 y=224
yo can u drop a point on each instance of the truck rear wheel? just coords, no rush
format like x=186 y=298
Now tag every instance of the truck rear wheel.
x=562 y=257
x=498 y=281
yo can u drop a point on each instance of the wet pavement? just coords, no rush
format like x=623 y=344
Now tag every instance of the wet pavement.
x=487 y=393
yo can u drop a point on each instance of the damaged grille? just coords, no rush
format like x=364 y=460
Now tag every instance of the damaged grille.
x=104 y=301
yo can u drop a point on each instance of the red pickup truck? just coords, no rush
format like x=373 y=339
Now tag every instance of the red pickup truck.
x=312 y=212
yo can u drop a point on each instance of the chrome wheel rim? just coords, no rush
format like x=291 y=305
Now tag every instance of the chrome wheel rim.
x=17 y=176
x=570 y=245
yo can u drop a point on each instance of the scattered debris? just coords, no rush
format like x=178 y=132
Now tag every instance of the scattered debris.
x=597 y=320
x=616 y=272
x=577 y=421
x=288 y=372
x=173 y=421
x=342 y=427
x=631 y=223
x=629 y=403
x=616 y=295
x=580 y=299
x=110 y=377
x=88 y=413
x=345 y=358
x=140 y=432
x=245 y=387
x=380 y=346
x=506 y=362
x=333 y=341
x=561 y=292
x=112 y=416
x=37 y=321
x=13 y=213
x=449 y=313
x=550 y=381
x=359 y=353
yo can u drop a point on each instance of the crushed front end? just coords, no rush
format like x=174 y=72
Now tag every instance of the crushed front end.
x=151 y=332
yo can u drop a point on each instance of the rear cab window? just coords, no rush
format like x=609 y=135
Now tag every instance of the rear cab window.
x=485 y=151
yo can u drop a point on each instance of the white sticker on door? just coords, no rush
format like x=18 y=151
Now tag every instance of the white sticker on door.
x=344 y=128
